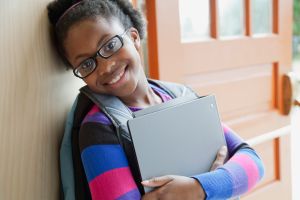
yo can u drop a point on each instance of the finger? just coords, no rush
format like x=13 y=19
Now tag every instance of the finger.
x=157 y=181
x=221 y=157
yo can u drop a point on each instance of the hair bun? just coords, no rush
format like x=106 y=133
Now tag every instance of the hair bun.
x=57 y=8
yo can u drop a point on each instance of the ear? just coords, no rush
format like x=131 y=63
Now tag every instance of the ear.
x=135 y=37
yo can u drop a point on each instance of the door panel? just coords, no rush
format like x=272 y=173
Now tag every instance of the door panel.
x=267 y=151
x=242 y=66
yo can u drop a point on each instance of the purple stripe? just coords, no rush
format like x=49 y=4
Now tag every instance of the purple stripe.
x=165 y=97
x=238 y=176
x=133 y=109
x=98 y=117
x=131 y=195
x=232 y=140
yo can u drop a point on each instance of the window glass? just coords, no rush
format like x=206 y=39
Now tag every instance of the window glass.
x=262 y=20
x=231 y=18
x=194 y=20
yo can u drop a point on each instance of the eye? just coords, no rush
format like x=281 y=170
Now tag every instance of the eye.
x=111 y=45
x=87 y=65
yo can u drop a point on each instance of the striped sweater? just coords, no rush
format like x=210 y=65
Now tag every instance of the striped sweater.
x=109 y=176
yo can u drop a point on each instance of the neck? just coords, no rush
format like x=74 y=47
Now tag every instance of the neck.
x=143 y=96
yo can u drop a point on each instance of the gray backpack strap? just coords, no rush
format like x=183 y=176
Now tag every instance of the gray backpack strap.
x=173 y=89
x=66 y=158
x=114 y=109
x=119 y=113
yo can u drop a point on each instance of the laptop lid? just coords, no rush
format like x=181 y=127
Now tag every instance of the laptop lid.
x=178 y=140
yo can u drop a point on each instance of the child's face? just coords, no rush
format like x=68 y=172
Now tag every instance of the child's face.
x=117 y=75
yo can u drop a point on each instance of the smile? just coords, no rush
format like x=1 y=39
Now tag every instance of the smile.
x=117 y=77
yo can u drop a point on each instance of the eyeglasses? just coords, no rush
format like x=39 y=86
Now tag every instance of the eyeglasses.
x=88 y=66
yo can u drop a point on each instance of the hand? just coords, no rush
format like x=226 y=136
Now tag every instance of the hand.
x=180 y=187
x=221 y=157
x=173 y=187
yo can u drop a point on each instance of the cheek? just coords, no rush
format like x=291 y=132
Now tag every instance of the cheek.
x=131 y=49
x=136 y=57
x=91 y=81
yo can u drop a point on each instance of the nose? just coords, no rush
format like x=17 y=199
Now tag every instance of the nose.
x=105 y=66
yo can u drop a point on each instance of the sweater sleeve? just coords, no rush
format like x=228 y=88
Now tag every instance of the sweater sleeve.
x=240 y=174
x=104 y=161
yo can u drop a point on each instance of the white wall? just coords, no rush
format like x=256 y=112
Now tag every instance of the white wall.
x=295 y=138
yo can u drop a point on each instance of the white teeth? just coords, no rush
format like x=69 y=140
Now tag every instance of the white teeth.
x=117 y=78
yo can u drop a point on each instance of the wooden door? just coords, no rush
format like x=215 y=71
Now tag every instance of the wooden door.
x=237 y=50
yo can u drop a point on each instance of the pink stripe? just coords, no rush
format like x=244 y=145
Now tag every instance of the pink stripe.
x=225 y=128
x=250 y=168
x=94 y=110
x=112 y=184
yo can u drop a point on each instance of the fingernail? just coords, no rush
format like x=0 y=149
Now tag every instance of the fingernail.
x=145 y=182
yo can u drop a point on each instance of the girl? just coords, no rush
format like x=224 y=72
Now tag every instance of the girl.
x=100 y=40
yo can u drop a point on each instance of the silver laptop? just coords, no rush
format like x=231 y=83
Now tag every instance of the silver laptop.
x=179 y=137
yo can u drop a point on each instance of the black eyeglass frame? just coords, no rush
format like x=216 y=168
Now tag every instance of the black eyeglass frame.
x=120 y=37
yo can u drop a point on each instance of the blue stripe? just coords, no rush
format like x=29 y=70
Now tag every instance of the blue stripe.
x=98 y=159
x=131 y=195
x=216 y=184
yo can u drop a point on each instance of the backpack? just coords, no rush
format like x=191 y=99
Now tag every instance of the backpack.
x=73 y=180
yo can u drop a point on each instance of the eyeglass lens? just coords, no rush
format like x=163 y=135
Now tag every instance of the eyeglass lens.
x=106 y=51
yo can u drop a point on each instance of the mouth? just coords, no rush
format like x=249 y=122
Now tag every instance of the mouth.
x=117 y=77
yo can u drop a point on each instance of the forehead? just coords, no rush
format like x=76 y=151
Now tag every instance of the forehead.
x=84 y=36
x=99 y=25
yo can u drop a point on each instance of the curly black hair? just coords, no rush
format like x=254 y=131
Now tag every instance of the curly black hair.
x=90 y=9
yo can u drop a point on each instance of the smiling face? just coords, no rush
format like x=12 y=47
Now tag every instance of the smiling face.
x=118 y=75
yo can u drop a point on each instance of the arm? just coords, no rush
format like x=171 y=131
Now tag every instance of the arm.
x=104 y=160
x=240 y=174
x=242 y=171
